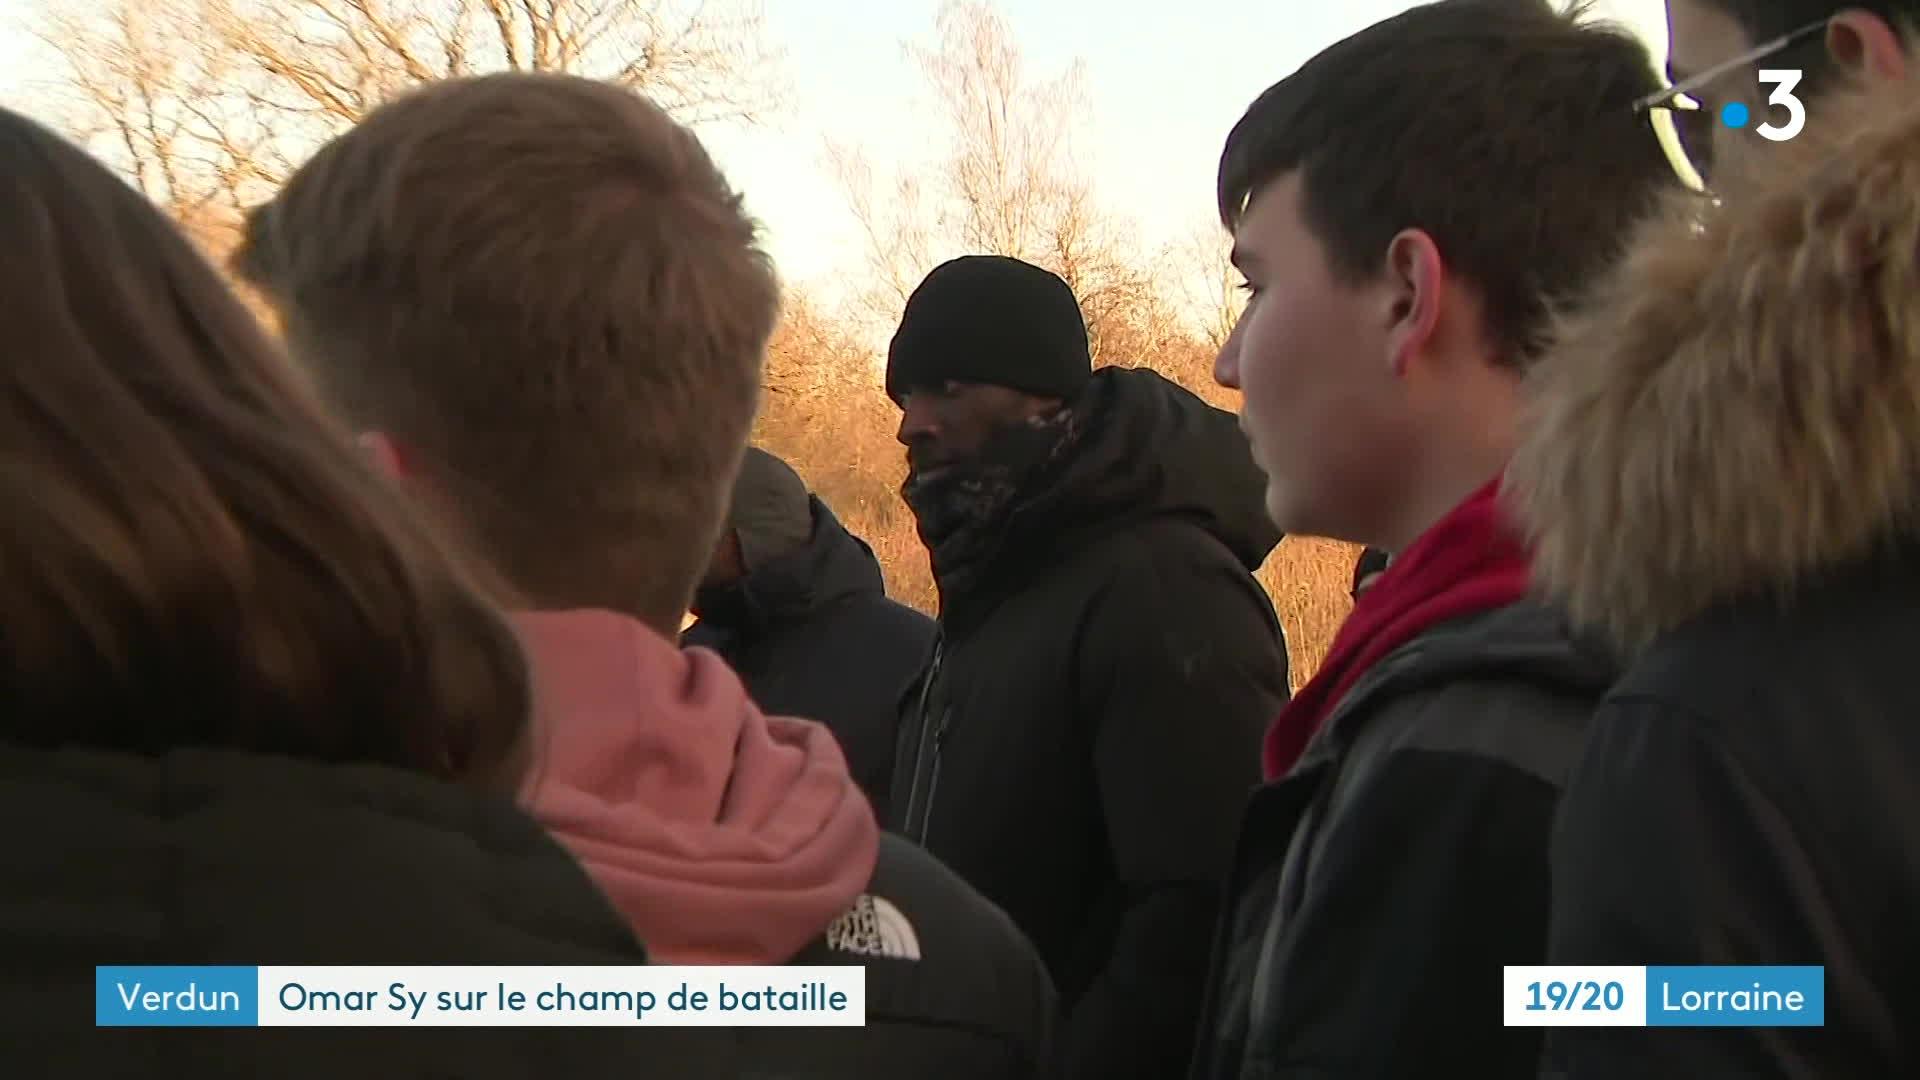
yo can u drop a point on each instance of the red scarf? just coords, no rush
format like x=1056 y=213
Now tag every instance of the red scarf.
x=1470 y=561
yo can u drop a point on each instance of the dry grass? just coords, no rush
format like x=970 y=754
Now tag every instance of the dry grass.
x=1309 y=581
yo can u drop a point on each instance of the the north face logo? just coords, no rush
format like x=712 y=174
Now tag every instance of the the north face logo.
x=873 y=926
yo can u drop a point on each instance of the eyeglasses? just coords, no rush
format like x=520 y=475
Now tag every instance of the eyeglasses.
x=1692 y=123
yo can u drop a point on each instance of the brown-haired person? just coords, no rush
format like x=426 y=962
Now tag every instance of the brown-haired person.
x=1407 y=208
x=547 y=309
x=251 y=711
x=1722 y=478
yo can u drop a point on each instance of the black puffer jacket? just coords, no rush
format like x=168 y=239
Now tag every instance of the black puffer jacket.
x=954 y=991
x=219 y=858
x=1381 y=887
x=1725 y=479
x=1083 y=741
x=813 y=635
x=215 y=858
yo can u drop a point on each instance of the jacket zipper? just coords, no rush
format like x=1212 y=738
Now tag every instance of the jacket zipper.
x=933 y=773
x=926 y=753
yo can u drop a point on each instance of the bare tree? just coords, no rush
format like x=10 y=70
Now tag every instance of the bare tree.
x=1209 y=282
x=1130 y=319
x=815 y=369
x=1009 y=166
x=896 y=232
x=824 y=407
x=337 y=59
x=1006 y=182
x=144 y=91
x=206 y=103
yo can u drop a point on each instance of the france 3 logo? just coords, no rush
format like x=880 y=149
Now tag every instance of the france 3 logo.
x=1735 y=114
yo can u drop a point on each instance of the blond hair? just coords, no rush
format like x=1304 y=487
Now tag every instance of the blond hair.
x=544 y=287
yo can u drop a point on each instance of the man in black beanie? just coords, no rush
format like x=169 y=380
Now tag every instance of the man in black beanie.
x=1087 y=728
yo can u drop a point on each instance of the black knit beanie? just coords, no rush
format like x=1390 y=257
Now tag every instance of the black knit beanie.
x=991 y=319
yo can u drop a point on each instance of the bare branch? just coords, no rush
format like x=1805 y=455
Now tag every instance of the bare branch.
x=207 y=103
x=1006 y=181
x=701 y=66
x=453 y=45
x=393 y=35
x=129 y=81
x=897 y=243
x=541 y=24
x=502 y=12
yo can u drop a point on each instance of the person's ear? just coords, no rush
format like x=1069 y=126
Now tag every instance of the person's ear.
x=1868 y=45
x=385 y=455
x=1415 y=277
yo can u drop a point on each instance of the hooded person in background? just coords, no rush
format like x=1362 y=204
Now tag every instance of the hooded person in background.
x=797 y=607
x=1089 y=724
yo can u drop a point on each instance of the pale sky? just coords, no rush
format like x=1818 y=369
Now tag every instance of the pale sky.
x=1166 y=81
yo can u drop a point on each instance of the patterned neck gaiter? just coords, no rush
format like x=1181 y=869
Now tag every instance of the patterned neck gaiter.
x=963 y=509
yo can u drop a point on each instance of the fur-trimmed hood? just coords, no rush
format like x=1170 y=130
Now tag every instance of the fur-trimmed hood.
x=1738 y=406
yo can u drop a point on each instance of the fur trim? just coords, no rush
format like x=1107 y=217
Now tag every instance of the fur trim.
x=1738 y=405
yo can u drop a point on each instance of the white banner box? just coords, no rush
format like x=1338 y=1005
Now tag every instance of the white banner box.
x=562 y=996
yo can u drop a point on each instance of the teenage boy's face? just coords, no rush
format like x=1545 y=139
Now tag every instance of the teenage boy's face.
x=1310 y=356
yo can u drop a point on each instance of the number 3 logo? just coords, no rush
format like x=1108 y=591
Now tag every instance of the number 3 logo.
x=1784 y=80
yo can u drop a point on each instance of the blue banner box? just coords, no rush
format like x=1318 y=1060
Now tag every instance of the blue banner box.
x=1736 y=997
x=176 y=996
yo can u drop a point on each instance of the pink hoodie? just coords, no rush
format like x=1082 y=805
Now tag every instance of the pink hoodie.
x=723 y=835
